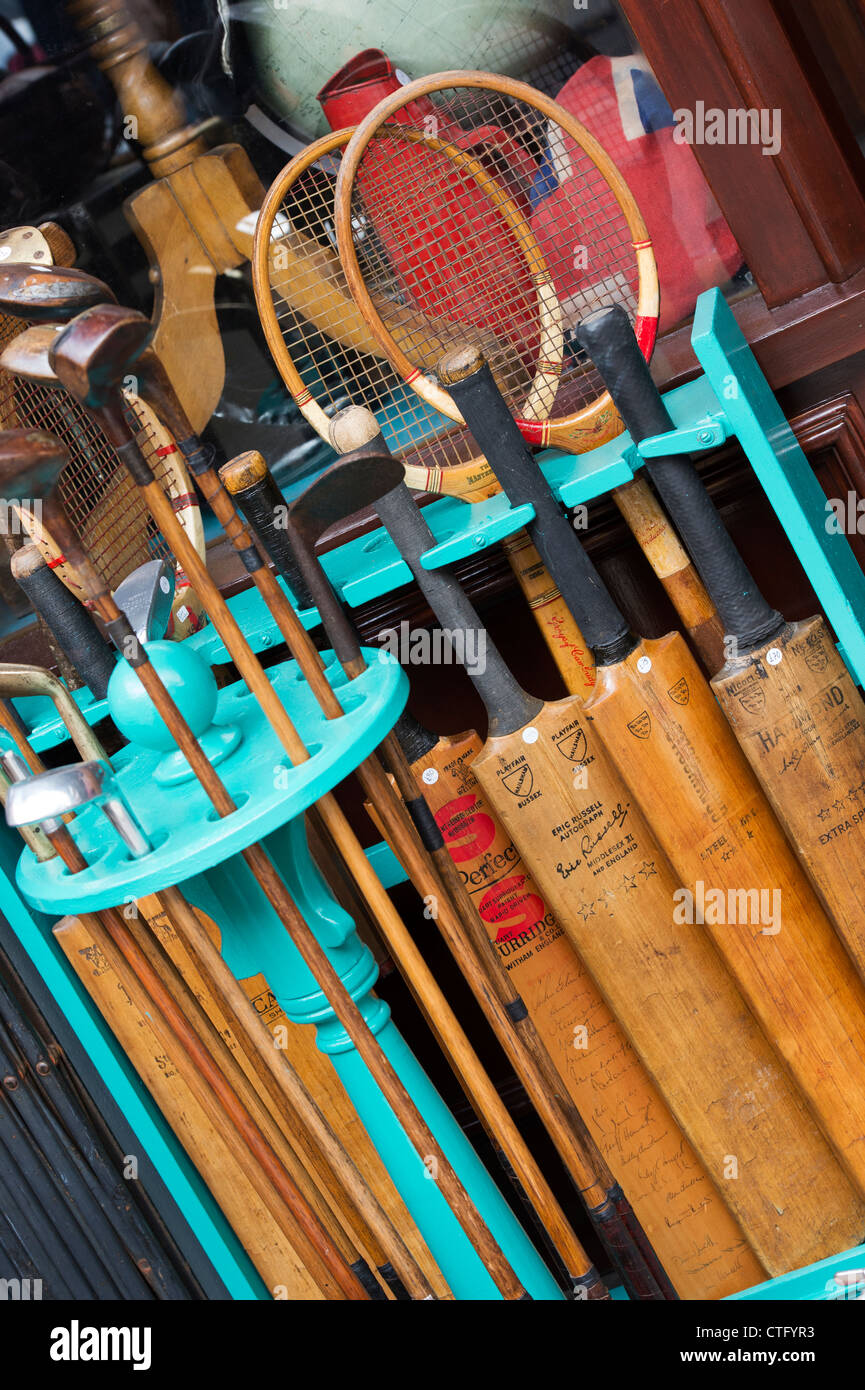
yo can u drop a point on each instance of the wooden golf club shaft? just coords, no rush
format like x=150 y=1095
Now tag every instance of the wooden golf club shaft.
x=504 y=1008
x=498 y=1123
x=788 y=695
x=274 y=1185
x=279 y=1126
x=491 y=1110
x=499 y=1001
x=255 y=856
x=661 y=725
x=288 y=1094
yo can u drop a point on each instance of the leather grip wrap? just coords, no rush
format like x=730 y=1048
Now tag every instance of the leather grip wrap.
x=258 y=503
x=490 y=421
x=609 y=340
x=71 y=625
x=508 y=705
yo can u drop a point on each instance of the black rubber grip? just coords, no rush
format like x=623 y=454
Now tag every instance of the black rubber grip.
x=425 y=824
x=609 y=340
x=72 y=627
x=487 y=416
x=259 y=503
x=197 y=456
x=508 y=705
x=322 y=595
x=414 y=738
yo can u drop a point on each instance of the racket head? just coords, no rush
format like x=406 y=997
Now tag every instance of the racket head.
x=322 y=348
x=492 y=214
x=101 y=501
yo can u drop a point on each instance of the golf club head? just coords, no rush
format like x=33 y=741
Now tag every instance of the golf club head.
x=28 y=354
x=355 y=481
x=97 y=349
x=49 y=293
x=17 y=771
x=146 y=596
x=31 y=461
x=53 y=794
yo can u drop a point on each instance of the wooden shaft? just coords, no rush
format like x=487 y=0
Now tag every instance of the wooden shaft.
x=463 y=932
x=338 y=998
x=669 y=560
x=216 y=1097
x=293 y=1102
x=10 y=722
x=278 y=1136
x=392 y=1087
x=455 y=1044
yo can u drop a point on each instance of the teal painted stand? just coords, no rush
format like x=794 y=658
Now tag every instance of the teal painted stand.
x=195 y=848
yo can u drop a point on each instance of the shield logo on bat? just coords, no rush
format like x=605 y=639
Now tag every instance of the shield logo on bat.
x=641 y=727
x=520 y=781
x=817 y=659
x=679 y=692
x=572 y=745
x=753 y=699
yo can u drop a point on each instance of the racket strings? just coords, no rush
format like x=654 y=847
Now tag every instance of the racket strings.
x=476 y=198
x=329 y=346
x=100 y=499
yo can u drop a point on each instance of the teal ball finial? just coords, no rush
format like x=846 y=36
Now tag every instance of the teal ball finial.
x=189 y=681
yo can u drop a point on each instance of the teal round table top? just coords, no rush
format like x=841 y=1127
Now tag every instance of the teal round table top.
x=187 y=834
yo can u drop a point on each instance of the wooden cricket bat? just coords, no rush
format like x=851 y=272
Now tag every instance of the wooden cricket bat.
x=662 y=728
x=788 y=696
x=596 y=865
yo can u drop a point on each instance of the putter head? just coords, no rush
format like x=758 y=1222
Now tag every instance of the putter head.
x=146 y=596
x=49 y=293
x=31 y=461
x=53 y=794
x=96 y=350
x=355 y=481
x=28 y=354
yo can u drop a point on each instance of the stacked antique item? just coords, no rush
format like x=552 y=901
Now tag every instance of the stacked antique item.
x=653 y=886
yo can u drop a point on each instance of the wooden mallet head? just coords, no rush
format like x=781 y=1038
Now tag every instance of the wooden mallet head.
x=97 y=349
x=49 y=293
x=31 y=461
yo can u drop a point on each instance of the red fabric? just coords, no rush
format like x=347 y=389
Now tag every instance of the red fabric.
x=694 y=247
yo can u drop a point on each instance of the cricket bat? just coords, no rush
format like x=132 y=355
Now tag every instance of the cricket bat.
x=789 y=698
x=676 y=755
x=550 y=795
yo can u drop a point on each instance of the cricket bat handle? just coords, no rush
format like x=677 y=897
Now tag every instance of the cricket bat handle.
x=609 y=340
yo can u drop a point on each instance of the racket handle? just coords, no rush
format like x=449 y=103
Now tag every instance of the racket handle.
x=608 y=338
x=68 y=620
x=252 y=485
x=468 y=378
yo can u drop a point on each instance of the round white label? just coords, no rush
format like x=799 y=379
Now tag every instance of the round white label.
x=774 y=655
x=164 y=584
x=644 y=664
x=530 y=735
x=430 y=776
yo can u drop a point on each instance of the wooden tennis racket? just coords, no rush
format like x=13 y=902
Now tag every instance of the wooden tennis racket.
x=101 y=501
x=488 y=209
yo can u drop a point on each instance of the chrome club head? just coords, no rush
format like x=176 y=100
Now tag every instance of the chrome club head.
x=50 y=795
x=17 y=771
x=146 y=596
